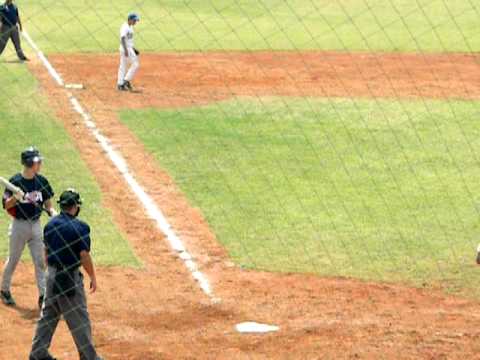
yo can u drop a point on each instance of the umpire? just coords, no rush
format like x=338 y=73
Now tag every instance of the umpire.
x=67 y=247
x=10 y=18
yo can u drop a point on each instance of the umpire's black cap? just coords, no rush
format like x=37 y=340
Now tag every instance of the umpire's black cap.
x=70 y=197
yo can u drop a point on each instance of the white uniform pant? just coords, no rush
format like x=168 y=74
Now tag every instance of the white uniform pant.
x=128 y=66
x=22 y=233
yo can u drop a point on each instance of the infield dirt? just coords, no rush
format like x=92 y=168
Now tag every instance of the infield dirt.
x=159 y=312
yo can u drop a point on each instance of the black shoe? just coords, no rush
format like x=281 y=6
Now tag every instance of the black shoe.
x=122 y=88
x=128 y=85
x=24 y=58
x=47 y=358
x=7 y=298
x=40 y=302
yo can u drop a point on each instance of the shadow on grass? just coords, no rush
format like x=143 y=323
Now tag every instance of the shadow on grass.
x=17 y=61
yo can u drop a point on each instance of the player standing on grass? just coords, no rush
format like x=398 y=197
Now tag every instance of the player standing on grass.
x=128 y=54
x=26 y=228
x=9 y=18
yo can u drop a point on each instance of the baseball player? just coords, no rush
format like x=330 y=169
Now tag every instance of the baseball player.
x=128 y=54
x=25 y=228
x=10 y=18
x=67 y=247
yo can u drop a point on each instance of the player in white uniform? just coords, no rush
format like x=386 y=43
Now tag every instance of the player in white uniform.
x=128 y=54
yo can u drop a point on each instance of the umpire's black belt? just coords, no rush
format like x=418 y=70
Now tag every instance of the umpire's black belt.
x=61 y=267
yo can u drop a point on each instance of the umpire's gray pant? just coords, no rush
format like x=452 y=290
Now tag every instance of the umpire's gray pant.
x=74 y=311
x=11 y=32
x=22 y=233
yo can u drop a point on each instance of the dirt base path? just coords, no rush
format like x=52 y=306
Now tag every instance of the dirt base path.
x=172 y=80
x=159 y=312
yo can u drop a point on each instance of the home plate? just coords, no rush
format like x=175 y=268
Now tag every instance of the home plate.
x=74 y=86
x=253 y=327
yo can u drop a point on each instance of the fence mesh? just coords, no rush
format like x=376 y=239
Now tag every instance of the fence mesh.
x=337 y=139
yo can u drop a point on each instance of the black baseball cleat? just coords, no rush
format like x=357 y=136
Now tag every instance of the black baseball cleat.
x=128 y=85
x=40 y=302
x=7 y=298
x=24 y=58
x=121 y=88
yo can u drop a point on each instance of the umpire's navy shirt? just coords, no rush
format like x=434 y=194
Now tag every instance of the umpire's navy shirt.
x=9 y=14
x=65 y=237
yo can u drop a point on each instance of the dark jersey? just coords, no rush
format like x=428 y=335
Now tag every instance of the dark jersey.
x=65 y=237
x=37 y=190
x=9 y=14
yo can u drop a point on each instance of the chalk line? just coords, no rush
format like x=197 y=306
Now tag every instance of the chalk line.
x=121 y=164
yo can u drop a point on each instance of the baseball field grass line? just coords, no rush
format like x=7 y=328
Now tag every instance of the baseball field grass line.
x=25 y=121
x=407 y=25
x=379 y=190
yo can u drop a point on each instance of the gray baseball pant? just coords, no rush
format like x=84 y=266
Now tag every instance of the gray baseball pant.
x=11 y=32
x=21 y=233
x=75 y=313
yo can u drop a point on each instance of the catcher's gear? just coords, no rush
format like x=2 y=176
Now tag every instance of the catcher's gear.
x=30 y=156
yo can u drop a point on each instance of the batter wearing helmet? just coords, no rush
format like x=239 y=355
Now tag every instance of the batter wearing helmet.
x=25 y=228
x=128 y=54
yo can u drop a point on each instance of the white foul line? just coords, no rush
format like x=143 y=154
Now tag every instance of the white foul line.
x=120 y=163
x=51 y=70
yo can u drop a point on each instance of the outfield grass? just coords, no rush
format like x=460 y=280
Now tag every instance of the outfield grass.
x=24 y=121
x=379 y=25
x=378 y=190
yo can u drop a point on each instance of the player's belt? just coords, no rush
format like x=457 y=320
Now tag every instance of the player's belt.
x=28 y=219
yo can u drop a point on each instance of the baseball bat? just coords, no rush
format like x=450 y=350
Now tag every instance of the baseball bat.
x=16 y=190
x=9 y=186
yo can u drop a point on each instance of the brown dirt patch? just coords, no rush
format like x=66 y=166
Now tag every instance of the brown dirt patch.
x=159 y=312
x=171 y=80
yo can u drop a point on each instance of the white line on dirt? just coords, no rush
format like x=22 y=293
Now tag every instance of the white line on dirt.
x=121 y=164
x=51 y=70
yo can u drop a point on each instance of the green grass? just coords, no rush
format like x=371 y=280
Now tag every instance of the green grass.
x=379 y=25
x=378 y=190
x=24 y=121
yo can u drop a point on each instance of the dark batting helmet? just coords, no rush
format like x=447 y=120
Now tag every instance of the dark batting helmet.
x=133 y=17
x=31 y=156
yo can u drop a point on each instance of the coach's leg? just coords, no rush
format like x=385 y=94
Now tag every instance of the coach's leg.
x=135 y=64
x=15 y=36
x=122 y=68
x=37 y=251
x=19 y=233
x=4 y=36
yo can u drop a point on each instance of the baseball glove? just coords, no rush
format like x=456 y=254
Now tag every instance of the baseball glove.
x=136 y=51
